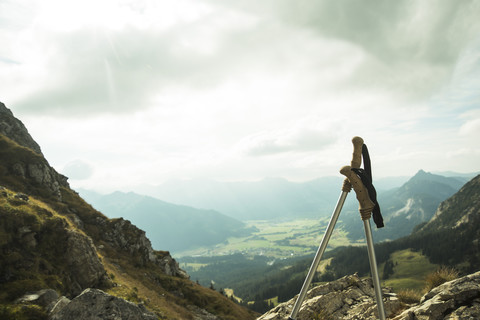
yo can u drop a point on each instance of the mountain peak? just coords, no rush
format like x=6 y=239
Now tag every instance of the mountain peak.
x=15 y=130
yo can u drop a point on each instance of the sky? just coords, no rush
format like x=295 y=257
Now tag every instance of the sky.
x=120 y=93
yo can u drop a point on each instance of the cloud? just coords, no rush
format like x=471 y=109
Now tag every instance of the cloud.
x=411 y=46
x=110 y=67
x=78 y=170
x=297 y=139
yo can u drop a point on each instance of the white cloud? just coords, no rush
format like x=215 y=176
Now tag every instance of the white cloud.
x=146 y=90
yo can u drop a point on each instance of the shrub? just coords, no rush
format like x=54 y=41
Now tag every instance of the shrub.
x=442 y=275
x=409 y=296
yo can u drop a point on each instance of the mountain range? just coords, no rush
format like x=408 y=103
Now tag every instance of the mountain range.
x=226 y=204
x=407 y=206
x=167 y=225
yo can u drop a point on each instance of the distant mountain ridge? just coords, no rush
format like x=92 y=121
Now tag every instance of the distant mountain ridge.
x=462 y=209
x=406 y=207
x=167 y=225
x=270 y=198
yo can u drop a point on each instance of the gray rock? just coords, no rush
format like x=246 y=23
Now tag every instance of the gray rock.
x=122 y=234
x=347 y=298
x=94 y=304
x=86 y=269
x=57 y=305
x=456 y=299
x=16 y=130
x=37 y=168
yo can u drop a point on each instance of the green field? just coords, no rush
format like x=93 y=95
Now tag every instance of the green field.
x=410 y=269
x=279 y=239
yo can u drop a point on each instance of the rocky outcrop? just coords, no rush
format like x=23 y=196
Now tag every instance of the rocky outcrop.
x=23 y=158
x=94 y=304
x=353 y=298
x=123 y=235
x=459 y=210
x=347 y=298
x=456 y=299
x=85 y=268
x=42 y=174
x=15 y=130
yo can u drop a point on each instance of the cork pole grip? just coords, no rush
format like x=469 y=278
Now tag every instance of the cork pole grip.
x=356 y=161
x=357 y=152
x=365 y=204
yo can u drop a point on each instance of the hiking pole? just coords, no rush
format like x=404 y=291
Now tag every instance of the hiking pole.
x=356 y=162
x=366 y=206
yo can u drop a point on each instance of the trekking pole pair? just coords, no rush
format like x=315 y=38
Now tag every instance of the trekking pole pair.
x=361 y=181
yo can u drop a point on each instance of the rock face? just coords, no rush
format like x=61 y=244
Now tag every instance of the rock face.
x=461 y=209
x=28 y=164
x=15 y=130
x=456 y=299
x=94 y=304
x=347 y=298
x=353 y=298
x=42 y=174
x=85 y=268
x=122 y=234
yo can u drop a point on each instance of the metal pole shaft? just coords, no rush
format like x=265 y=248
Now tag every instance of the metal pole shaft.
x=374 y=270
x=319 y=254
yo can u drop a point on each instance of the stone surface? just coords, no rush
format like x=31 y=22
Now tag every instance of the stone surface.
x=456 y=299
x=353 y=298
x=122 y=234
x=34 y=167
x=16 y=130
x=94 y=304
x=85 y=268
x=347 y=298
x=57 y=305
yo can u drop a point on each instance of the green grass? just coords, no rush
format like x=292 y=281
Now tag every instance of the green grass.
x=410 y=270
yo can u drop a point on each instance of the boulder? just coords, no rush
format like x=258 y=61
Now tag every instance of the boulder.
x=353 y=298
x=347 y=298
x=456 y=299
x=85 y=268
x=94 y=304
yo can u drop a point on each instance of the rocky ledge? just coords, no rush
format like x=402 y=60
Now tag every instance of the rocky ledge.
x=456 y=299
x=353 y=298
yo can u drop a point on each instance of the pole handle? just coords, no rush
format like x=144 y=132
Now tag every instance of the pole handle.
x=356 y=161
x=357 y=152
x=365 y=204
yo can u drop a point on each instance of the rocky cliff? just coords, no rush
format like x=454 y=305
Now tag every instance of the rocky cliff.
x=353 y=298
x=462 y=209
x=16 y=130
x=62 y=259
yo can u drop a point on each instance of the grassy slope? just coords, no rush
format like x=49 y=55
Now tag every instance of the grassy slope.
x=168 y=296
x=410 y=270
